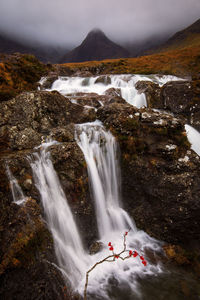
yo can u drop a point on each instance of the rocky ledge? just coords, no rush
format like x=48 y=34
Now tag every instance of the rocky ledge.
x=160 y=182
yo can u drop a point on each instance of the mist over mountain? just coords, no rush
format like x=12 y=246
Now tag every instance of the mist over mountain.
x=188 y=35
x=43 y=52
x=96 y=46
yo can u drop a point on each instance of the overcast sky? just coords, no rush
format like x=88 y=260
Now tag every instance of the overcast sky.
x=68 y=21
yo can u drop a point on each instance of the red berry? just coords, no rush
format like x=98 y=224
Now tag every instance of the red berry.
x=141 y=257
x=109 y=244
x=126 y=232
x=144 y=263
x=111 y=248
x=116 y=256
x=130 y=253
x=135 y=254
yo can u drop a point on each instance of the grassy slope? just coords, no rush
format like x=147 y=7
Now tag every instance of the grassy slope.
x=19 y=73
x=182 y=61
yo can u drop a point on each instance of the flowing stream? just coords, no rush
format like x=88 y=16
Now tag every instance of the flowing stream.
x=125 y=83
x=71 y=256
x=17 y=193
x=100 y=151
x=101 y=154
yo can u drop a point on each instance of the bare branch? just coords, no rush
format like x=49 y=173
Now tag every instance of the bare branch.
x=112 y=258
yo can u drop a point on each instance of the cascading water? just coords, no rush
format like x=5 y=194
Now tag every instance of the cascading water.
x=71 y=256
x=125 y=82
x=100 y=151
x=194 y=138
x=17 y=193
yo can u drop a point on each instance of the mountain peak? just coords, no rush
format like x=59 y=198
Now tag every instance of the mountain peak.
x=96 y=46
x=95 y=33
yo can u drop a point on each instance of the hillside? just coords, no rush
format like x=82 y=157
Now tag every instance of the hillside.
x=96 y=46
x=188 y=37
x=19 y=73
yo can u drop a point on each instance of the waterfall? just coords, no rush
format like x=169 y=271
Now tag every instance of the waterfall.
x=194 y=138
x=100 y=151
x=17 y=193
x=69 y=86
x=70 y=253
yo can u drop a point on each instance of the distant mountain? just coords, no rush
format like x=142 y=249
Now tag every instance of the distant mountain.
x=96 y=46
x=51 y=54
x=187 y=37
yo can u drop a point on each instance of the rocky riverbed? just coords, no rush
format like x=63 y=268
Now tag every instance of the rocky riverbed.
x=160 y=178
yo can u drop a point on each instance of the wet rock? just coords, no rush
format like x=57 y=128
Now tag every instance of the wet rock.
x=177 y=96
x=113 y=92
x=27 y=256
x=152 y=92
x=106 y=80
x=28 y=118
x=160 y=174
x=49 y=80
x=96 y=247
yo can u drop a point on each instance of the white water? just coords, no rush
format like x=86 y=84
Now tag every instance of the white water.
x=194 y=138
x=100 y=151
x=126 y=84
x=17 y=193
x=71 y=256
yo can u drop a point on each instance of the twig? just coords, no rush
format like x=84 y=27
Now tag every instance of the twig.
x=113 y=256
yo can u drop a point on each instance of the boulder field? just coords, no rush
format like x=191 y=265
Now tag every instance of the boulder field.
x=160 y=177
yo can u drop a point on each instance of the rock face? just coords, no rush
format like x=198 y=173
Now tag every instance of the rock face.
x=96 y=46
x=28 y=118
x=179 y=97
x=27 y=251
x=160 y=180
x=160 y=175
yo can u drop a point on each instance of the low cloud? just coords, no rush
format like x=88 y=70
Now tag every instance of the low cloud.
x=68 y=21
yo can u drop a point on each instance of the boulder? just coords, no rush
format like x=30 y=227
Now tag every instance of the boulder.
x=106 y=80
x=29 y=118
x=48 y=81
x=177 y=96
x=152 y=92
x=160 y=174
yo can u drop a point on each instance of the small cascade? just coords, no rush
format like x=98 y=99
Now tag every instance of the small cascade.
x=125 y=82
x=100 y=151
x=71 y=256
x=17 y=193
x=194 y=138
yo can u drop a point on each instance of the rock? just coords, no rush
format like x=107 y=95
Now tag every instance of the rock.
x=49 y=80
x=96 y=247
x=152 y=92
x=160 y=174
x=27 y=250
x=27 y=256
x=113 y=92
x=177 y=96
x=106 y=80
x=82 y=73
x=30 y=117
x=93 y=100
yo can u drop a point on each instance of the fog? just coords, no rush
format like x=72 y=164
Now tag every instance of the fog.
x=66 y=22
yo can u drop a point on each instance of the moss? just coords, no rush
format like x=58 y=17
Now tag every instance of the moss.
x=131 y=124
